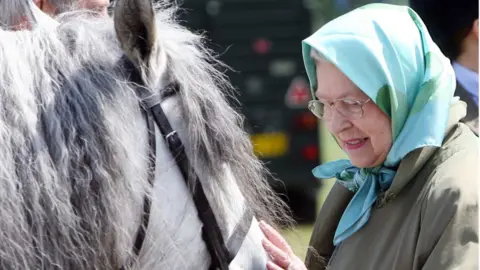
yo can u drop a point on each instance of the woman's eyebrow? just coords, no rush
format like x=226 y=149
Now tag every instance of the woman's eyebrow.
x=344 y=96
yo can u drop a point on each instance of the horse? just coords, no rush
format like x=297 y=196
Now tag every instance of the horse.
x=75 y=144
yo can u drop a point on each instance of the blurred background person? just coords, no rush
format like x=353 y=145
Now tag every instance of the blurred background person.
x=23 y=18
x=453 y=25
x=55 y=7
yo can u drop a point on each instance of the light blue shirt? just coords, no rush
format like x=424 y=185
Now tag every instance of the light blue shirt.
x=468 y=79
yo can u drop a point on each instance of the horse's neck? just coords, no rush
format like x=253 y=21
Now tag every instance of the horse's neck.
x=174 y=238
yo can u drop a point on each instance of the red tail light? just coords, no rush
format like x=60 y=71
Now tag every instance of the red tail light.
x=310 y=152
x=306 y=120
x=262 y=46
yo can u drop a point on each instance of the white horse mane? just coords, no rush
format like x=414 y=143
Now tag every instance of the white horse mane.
x=68 y=145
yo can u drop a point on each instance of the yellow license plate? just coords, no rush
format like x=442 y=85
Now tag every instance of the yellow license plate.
x=270 y=145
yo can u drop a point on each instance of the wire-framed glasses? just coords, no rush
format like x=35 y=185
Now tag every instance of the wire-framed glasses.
x=352 y=109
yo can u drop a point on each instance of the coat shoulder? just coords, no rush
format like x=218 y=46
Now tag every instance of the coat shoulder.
x=454 y=170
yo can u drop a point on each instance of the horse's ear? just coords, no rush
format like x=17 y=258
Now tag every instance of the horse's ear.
x=135 y=28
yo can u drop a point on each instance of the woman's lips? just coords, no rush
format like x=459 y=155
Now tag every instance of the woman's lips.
x=355 y=143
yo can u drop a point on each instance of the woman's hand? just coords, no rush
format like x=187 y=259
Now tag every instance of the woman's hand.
x=279 y=251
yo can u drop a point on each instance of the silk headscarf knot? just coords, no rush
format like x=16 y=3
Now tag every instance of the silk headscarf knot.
x=366 y=183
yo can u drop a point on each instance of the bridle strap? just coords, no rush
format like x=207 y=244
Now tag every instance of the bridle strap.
x=235 y=241
x=147 y=200
x=211 y=232
x=221 y=254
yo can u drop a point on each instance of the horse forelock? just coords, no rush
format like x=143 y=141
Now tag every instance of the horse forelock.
x=69 y=129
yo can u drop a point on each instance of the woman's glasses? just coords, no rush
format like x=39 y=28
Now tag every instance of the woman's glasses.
x=352 y=109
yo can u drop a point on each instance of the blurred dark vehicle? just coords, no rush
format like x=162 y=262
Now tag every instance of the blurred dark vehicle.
x=261 y=41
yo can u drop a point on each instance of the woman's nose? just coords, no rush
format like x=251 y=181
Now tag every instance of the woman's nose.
x=338 y=122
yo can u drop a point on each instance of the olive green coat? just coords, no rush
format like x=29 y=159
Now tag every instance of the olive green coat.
x=428 y=219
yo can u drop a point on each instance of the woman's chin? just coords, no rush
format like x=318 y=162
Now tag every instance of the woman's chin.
x=364 y=162
x=359 y=163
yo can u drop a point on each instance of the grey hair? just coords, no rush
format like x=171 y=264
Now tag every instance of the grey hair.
x=14 y=12
x=66 y=117
x=62 y=6
x=11 y=12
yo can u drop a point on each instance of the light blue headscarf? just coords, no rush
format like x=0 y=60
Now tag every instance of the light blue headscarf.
x=387 y=52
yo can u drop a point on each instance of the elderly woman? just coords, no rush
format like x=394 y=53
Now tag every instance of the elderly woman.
x=407 y=196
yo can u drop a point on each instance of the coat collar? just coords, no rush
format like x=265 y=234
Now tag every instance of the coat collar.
x=471 y=119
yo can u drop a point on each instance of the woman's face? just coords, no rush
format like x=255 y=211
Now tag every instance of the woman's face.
x=366 y=139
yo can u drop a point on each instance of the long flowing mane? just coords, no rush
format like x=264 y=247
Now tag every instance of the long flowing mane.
x=68 y=130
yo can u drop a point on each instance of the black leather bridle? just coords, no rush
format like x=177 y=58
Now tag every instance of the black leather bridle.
x=222 y=253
